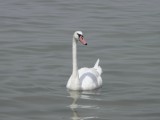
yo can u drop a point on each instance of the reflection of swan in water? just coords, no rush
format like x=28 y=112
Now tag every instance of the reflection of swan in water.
x=77 y=95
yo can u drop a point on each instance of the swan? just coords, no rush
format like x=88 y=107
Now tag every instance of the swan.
x=84 y=78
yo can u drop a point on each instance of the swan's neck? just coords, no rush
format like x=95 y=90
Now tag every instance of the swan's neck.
x=73 y=82
x=74 y=58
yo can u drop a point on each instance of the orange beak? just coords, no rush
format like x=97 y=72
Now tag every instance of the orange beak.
x=82 y=40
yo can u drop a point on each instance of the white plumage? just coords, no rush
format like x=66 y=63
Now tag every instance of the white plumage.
x=84 y=78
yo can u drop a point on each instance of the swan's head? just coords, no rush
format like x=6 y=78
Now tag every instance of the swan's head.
x=78 y=35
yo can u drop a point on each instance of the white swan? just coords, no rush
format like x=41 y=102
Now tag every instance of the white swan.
x=84 y=78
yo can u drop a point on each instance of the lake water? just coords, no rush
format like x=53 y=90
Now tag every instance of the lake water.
x=36 y=60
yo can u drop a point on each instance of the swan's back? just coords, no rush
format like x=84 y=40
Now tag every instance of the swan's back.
x=89 y=78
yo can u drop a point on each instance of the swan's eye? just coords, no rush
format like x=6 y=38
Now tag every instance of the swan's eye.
x=79 y=35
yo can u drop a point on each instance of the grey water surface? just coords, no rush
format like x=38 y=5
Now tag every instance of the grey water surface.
x=36 y=60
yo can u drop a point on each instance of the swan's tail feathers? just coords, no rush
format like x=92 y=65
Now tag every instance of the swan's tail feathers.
x=97 y=67
x=97 y=64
